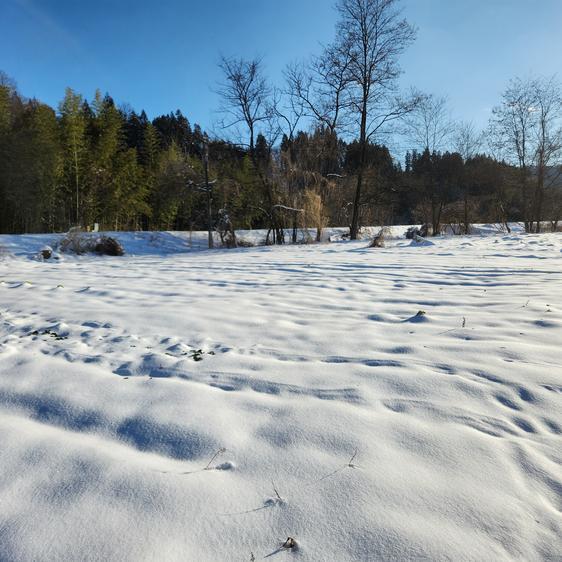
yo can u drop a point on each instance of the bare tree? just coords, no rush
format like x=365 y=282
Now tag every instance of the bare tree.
x=376 y=35
x=320 y=87
x=527 y=131
x=548 y=109
x=512 y=124
x=467 y=141
x=247 y=101
x=245 y=96
x=287 y=112
x=430 y=125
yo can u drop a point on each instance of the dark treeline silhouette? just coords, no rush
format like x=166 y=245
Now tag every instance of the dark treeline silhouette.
x=310 y=154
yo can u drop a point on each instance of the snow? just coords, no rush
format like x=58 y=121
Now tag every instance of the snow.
x=402 y=403
x=165 y=243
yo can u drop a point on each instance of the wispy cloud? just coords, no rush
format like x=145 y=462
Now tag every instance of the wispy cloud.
x=48 y=23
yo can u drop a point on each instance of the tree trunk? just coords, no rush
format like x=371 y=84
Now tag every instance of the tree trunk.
x=354 y=231
x=525 y=204
x=539 y=198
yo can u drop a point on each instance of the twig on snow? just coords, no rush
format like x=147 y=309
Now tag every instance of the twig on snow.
x=276 y=492
x=348 y=465
x=221 y=451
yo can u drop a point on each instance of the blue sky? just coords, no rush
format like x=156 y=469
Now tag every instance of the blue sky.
x=162 y=54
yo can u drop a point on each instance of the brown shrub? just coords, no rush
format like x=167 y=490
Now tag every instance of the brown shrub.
x=107 y=246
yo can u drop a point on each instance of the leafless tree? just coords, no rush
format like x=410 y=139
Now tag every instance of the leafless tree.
x=527 y=131
x=245 y=95
x=248 y=102
x=376 y=35
x=320 y=87
x=512 y=124
x=467 y=141
x=429 y=125
x=548 y=109
x=287 y=112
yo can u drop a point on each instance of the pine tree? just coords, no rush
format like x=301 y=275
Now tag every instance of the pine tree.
x=150 y=147
x=129 y=193
x=31 y=173
x=108 y=127
x=75 y=147
x=48 y=167
x=170 y=186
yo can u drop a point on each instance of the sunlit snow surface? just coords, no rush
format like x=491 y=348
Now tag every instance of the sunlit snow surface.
x=352 y=421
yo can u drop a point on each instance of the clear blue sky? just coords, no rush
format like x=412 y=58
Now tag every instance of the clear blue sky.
x=160 y=55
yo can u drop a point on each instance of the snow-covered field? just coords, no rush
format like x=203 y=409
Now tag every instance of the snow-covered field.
x=388 y=404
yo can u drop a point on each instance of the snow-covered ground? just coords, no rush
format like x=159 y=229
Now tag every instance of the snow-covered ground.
x=374 y=404
x=164 y=243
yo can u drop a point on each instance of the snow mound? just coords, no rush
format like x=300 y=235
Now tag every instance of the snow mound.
x=419 y=241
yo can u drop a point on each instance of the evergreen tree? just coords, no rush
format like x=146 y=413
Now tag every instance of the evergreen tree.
x=75 y=151
x=170 y=187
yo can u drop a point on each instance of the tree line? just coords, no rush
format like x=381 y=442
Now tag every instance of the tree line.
x=310 y=153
